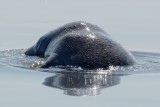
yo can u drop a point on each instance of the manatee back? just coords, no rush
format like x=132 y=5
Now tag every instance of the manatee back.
x=89 y=52
x=83 y=44
x=47 y=43
x=75 y=29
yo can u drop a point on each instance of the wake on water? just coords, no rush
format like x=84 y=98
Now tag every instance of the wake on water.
x=146 y=62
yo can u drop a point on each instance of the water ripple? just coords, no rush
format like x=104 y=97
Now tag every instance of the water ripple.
x=146 y=62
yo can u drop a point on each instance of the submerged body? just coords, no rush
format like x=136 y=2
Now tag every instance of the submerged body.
x=80 y=44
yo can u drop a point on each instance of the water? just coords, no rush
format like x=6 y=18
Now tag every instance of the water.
x=135 y=24
x=21 y=85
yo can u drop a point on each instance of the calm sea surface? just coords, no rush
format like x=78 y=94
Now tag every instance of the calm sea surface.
x=135 y=24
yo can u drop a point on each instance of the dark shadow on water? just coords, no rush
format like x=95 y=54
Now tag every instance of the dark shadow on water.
x=77 y=84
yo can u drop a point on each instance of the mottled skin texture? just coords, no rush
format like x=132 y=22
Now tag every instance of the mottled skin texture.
x=80 y=44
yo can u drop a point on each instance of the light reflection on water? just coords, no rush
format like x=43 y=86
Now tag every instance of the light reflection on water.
x=135 y=24
x=76 y=84
x=146 y=61
x=79 y=82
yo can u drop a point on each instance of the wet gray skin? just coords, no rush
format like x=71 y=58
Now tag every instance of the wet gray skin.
x=80 y=44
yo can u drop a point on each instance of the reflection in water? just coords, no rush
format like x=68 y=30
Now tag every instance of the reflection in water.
x=80 y=84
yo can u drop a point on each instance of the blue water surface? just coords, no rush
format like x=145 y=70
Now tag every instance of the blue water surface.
x=135 y=24
x=23 y=86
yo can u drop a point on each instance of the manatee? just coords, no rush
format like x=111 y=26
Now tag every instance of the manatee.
x=80 y=44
